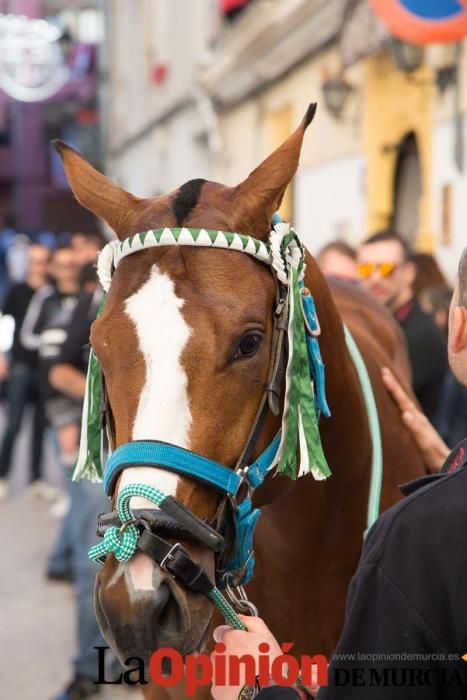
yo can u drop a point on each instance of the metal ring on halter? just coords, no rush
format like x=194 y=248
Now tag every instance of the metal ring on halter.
x=240 y=601
x=124 y=526
x=315 y=333
x=250 y=490
x=135 y=521
x=229 y=577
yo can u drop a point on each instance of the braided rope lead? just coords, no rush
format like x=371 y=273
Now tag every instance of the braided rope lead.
x=374 y=498
x=123 y=541
x=226 y=609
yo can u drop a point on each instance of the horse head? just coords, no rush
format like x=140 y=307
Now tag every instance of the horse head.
x=185 y=343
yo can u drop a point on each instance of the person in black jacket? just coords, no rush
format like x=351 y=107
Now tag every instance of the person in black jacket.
x=387 y=273
x=405 y=632
x=67 y=375
x=20 y=369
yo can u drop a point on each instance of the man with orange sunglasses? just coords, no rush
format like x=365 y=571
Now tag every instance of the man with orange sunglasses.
x=387 y=273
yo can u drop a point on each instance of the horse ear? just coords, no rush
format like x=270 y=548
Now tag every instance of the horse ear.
x=264 y=188
x=95 y=191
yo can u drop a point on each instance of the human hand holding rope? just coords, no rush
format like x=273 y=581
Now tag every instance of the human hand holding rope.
x=239 y=643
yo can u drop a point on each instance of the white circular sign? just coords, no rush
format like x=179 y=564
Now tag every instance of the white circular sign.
x=32 y=68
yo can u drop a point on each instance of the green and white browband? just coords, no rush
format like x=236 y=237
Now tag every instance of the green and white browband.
x=268 y=253
x=300 y=441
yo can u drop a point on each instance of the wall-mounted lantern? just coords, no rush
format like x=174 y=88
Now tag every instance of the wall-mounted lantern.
x=335 y=92
x=408 y=57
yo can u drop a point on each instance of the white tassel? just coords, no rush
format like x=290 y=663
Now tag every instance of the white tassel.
x=304 y=463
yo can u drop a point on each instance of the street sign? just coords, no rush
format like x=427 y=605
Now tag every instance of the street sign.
x=424 y=21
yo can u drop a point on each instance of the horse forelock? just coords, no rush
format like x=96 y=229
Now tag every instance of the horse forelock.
x=186 y=199
x=199 y=204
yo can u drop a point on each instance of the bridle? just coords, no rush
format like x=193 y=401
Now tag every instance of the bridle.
x=295 y=360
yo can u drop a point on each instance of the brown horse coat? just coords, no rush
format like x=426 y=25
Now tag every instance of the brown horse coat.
x=309 y=537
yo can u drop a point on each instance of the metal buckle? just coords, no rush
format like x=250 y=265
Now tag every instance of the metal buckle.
x=315 y=333
x=239 y=600
x=169 y=556
x=243 y=471
x=281 y=304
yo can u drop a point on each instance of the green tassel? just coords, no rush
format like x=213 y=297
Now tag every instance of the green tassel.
x=302 y=440
x=90 y=458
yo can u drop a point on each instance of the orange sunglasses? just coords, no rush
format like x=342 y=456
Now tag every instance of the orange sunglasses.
x=365 y=270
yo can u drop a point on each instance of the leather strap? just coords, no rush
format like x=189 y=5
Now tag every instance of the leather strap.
x=176 y=560
x=199 y=529
x=272 y=393
x=279 y=346
x=189 y=528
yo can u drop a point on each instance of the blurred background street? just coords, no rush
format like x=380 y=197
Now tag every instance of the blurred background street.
x=38 y=617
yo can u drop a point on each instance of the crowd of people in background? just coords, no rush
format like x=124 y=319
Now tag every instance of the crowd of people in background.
x=413 y=287
x=53 y=303
x=43 y=287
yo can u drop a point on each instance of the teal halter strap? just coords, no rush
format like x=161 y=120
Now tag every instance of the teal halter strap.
x=144 y=453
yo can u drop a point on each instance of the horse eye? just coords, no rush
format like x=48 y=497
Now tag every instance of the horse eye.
x=249 y=346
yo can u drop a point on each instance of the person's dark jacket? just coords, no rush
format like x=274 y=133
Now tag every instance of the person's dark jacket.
x=409 y=595
x=16 y=305
x=75 y=349
x=406 y=619
x=451 y=420
x=427 y=353
x=45 y=327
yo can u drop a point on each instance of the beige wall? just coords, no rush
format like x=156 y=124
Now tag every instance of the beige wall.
x=157 y=131
x=337 y=155
x=384 y=105
x=245 y=129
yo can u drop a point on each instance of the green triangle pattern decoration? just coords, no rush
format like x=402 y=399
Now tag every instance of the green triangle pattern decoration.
x=178 y=236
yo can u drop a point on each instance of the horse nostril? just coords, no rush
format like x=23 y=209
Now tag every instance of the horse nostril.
x=166 y=611
x=160 y=599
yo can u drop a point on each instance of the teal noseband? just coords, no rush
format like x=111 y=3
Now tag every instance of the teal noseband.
x=148 y=453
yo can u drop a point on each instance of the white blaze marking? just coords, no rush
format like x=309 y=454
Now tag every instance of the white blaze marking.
x=163 y=410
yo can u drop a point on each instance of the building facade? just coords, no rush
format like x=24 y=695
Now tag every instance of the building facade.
x=386 y=147
x=208 y=88
x=160 y=127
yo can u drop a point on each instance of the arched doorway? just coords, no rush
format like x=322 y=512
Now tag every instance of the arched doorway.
x=407 y=189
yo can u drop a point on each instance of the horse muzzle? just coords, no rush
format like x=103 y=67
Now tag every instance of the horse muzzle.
x=141 y=608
